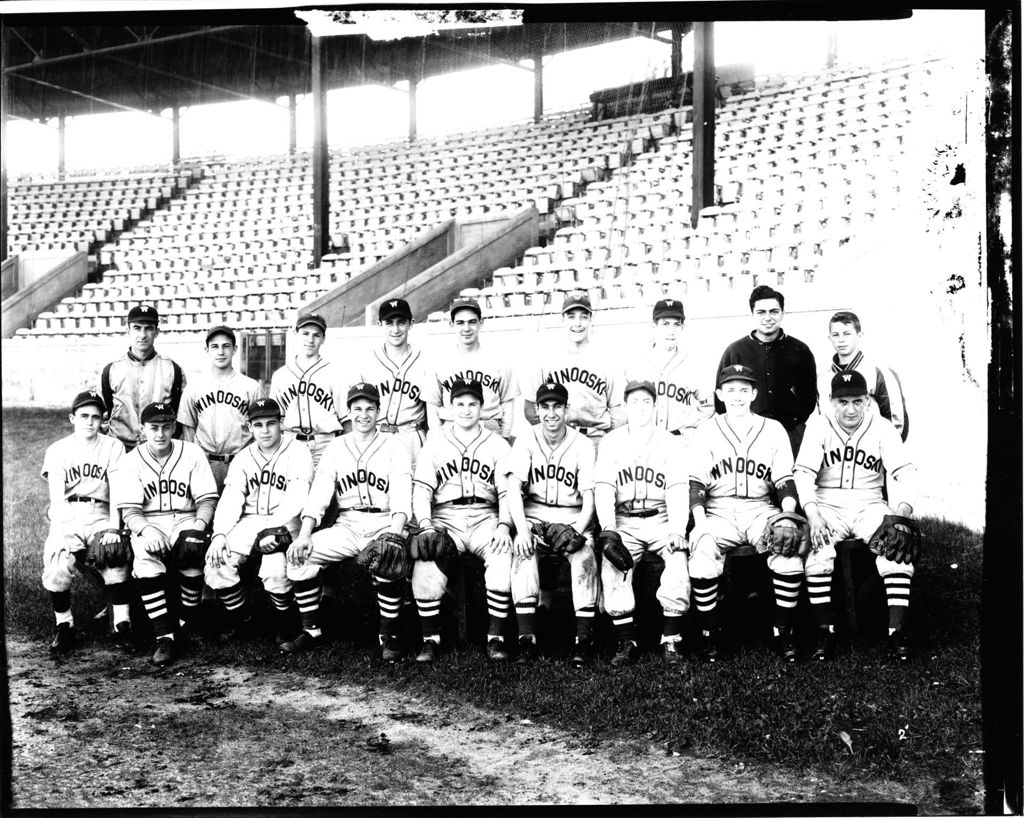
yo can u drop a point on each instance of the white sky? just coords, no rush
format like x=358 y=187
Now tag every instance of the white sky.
x=473 y=99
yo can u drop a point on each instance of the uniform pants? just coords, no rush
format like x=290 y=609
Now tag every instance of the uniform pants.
x=639 y=535
x=349 y=536
x=241 y=539
x=171 y=523
x=582 y=566
x=69 y=536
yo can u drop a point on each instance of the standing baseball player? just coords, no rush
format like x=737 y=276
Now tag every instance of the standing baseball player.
x=884 y=385
x=370 y=475
x=310 y=390
x=555 y=466
x=84 y=522
x=469 y=361
x=266 y=487
x=684 y=394
x=641 y=491
x=593 y=383
x=213 y=406
x=736 y=460
x=141 y=377
x=401 y=375
x=167 y=500
x=845 y=461
x=459 y=495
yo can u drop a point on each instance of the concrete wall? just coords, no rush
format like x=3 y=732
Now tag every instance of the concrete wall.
x=37 y=293
x=33 y=266
x=8 y=278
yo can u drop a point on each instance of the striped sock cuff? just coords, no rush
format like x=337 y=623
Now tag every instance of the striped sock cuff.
x=428 y=607
x=389 y=606
x=819 y=589
x=588 y=612
x=497 y=603
x=232 y=598
x=787 y=589
x=705 y=594
x=281 y=602
x=526 y=606
x=897 y=590
x=308 y=600
x=155 y=603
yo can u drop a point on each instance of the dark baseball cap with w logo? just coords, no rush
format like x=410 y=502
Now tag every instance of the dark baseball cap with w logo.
x=394 y=308
x=849 y=384
x=264 y=408
x=160 y=412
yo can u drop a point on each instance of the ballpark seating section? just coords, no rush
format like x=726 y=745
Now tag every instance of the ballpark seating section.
x=801 y=167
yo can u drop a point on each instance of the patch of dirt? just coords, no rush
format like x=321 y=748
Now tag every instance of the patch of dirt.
x=103 y=730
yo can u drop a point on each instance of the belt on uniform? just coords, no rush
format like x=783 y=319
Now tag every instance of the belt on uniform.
x=304 y=437
x=392 y=428
x=589 y=431
x=469 y=501
x=220 y=458
x=78 y=498
x=676 y=432
x=367 y=509
x=638 y=512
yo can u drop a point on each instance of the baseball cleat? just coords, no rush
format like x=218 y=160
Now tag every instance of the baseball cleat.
x=391 y=649
x=124 y=637
x=282 y=633
x=898 y=648
x=627 y=653
x=709 y=646
x=581 y=653
x=527 y=651
x=237 y=632
x=428 y=652
x=496 y=651
x=822 y=646
x=670 y=653
x=301 y=643
x=63 y=639
x=785 y=645
x=165 y=652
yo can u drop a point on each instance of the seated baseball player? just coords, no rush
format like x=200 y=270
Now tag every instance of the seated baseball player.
x=369 y=474
x=459 y=502
x=84 y=524
x=641 y=491
x=846 y=459
x=264 y=492
x=736 y=460
x=555 y=466
x=167 y=500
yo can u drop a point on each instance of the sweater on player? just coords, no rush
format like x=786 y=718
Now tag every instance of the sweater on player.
x=787 y=381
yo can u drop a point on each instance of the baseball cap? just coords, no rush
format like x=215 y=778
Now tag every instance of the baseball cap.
x=143 y=314
x=311 y=318
x=737 y=372
x=460 y=386
x=552 y=391
x=466 y=303
x=264 y=408
x=647 y=386
x=848 y=384
x=576 y=300
x=669 y=308
x=159 y=412
x=394 y=308
x=363 y=390
x=88 y=398
x=221 y=331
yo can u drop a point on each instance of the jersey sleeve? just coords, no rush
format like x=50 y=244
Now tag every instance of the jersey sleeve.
x=51 y=462
x=700 y=454
x=519 y=459
x=128 y=483
x=232 y=498
x=432 y=385
x=782 y=462
x=502 y=452
x=509 y=385
x=296 y=493
x=808 y=459
x=203 y=484
x=900 y=473
x=187 y=415
x=584 y=465
x=425 y=474
x=321 y=488
x=604 y=469
x=400 y=490
x=677 y=465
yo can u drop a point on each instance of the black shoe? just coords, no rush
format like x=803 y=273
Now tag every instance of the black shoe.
x=898 y=647
x=124 y=637
x=671 y=654
x=64 y=639
x=785 y=644
x=165 y=652
x=709 y=646
x=239 y=631
x=391 y=649
x=581 y=653
x=627 y=653
x=496 y=650
x=428 y=651
x=822 y=646
x=282 y=633
x=303 y=642
x=527 y=651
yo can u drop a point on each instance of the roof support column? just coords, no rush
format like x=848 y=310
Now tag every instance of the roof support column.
x=677 y=53
x=413 y=83
x=321 y=162
x=703 y=119
x=538 y=85
x=292 y=141
x=176 y=135
x=5 y=106
x=62 y=134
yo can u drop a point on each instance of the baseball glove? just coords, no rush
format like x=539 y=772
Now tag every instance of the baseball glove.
x=386 y=557
x=558 y=538
x=433 y=544
x=898 y=539
x=786 y=534
x=614 y=551
x=112 y=554
x=189 y=550
x=273 y=540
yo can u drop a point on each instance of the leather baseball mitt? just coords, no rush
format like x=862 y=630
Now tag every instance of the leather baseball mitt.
x=610 y=544
x=558 y=538
x=786 y=534
x=433 y=544
x=898 y=539
x=100 y=554
x=189 y=550
x=386 y=557
x=273 y=540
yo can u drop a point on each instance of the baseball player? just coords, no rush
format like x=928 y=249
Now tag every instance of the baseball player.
x=213 y=407
x=78 y=470
x=401 y=375
x=458 y=486
x=684 y=397
x=469 y=361
x=141 y=377
x=369 y=473
x=309 y=389
x=884 y=385
x=555 y=466
x=266 y=487
x=594 y=386
x=736 y=460
x=168 y=495
x=845 y=460
x=641 y=492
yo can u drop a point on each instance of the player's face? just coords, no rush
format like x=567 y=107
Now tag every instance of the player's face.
x=845 y=339
x=221 y=352
x=266 y=432
x=767 y=318
x=667 y=332
x=396 y=331
x=158 y=437
x=142 y=337
x=552 y=415
x=577 y=325
x=737 y=396
x=86 y=422
x=850 y=411
x=639 y=407
x=466 y=411
x=363 y=413
x=311 y=338
x=466 y=324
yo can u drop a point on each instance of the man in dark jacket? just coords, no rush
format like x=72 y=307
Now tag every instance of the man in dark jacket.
x=787 y=382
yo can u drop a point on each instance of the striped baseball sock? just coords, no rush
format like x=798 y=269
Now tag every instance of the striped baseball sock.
x=154 y=600
x=585 y=623
x=430 y=618
x=191 y=588
x=787 y=592
x=526 y=616
x=61 y=601
x=497 y=608
x=389 y=603
x=671 y=626
x=234 y=601
x=120 y=597
x=705 y=599
x=307 y=596
x=624 y=627
x=897 y=594
x=819 y=592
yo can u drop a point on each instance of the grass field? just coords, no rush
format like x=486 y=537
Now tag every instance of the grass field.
x=856 y=716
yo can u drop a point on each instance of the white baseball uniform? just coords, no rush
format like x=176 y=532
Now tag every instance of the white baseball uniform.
x=402 y=387
x=593 y=383
x=313 y=401
x=884 y=387
x=685 y=394
x=489 y=367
